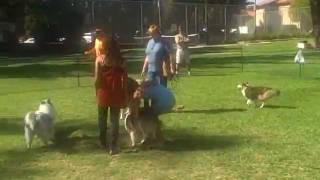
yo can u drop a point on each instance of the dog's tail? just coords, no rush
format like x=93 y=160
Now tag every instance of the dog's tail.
x=275 y=92
x=271 y=93
x=30 y=120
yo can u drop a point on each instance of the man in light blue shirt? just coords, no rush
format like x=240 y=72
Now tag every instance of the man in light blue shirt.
x=157 y=63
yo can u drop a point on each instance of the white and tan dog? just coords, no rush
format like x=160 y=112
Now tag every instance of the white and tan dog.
x=257 y=94
x=40 y=123
x=132 y=85
x=140 y=122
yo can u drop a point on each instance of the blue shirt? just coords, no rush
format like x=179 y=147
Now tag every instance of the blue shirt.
x=162 y=99
x=157 y=50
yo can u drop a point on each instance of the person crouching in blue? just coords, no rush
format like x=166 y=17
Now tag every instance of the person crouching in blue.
x=162 y=99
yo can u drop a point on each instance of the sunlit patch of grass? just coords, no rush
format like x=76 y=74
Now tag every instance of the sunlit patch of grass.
x=216 y=136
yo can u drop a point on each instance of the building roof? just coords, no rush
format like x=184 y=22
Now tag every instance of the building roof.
x=284 y=2
x=277 y=2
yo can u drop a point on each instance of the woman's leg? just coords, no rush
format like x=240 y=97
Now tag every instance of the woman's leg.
x=188 y=62
x=178 y=60
x=114 y=124
x=102 y=121
x=164 y=81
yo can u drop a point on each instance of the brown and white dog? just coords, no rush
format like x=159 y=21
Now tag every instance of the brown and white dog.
x=140 y=122
x=132 y=85
x=254 y=94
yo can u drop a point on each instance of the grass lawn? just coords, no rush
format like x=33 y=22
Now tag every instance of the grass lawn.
x=216 y=136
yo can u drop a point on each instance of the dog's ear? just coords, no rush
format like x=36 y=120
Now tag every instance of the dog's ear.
x=49 y=101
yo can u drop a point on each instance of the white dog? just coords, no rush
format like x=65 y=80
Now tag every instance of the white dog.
x=40 y=123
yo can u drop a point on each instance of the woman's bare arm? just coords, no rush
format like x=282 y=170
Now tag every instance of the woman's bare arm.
x=144 y=68
x=96 y=73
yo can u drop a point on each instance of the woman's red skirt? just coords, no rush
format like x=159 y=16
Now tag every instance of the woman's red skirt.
x=111 y=90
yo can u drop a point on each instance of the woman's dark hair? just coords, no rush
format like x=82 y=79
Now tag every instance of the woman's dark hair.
x=113 y=49
x=98 y=33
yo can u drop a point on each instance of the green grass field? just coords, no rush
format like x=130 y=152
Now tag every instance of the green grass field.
x=216 y=136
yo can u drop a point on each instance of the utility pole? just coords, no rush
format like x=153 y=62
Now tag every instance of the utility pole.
x=92 y=12
x=206 y=21
x=255 y=18
x=159 y=12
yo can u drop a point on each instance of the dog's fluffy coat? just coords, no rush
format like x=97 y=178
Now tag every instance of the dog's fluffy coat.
x=141 y=122
x=254 y=94
x=146 y=125
x=40 y=123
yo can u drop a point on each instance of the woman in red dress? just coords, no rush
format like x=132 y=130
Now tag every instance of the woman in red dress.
x=110 y=79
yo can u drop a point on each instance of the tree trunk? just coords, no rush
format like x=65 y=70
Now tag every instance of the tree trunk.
x=315 y=13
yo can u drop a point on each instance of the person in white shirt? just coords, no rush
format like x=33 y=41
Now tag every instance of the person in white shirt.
x=182 y=54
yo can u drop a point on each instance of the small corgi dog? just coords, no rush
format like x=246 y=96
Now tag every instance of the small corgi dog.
x=255 y=94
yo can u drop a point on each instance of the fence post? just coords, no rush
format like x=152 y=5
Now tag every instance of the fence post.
x=159 y=12
x=78 y=73
x=92 y=12
x=242 y=57
x=300 y=19
x=206 y=13
x=225 y=23
x=206 y=21
x=265 y=20
x=255 y=18
x=141 y=22
x=195 y=19
x=186 y=19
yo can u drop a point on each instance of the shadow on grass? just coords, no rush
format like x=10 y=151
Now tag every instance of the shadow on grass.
x=279 y=107
x=11 y=125
x=207 y=74
x=33 y=68
x=68 y=136
x=196 y=142
x=44 y=71
x=18 y=164
x=222 y=62
x=211 y=111
x=220 y=49
x=48 y=71
x=72 y=137
x=23 y=163
x=46 y=90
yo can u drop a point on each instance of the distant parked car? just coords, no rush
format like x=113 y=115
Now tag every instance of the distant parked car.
x=28 y=41
x=87 y=37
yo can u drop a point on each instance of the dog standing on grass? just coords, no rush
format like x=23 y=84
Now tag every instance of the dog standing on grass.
x=40 y=123
x=142 y=122
x=254 y=94
x=131 y=88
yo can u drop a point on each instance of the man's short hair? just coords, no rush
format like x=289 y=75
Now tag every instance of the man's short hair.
x=153 y=29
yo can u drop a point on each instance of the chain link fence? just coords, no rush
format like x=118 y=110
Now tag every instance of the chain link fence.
x=209 y=23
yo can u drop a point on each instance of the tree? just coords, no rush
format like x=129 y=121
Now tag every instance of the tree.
x=315 y=13
x=12 y=11
x=296 y=5
x=48 y=20
x=300 y=12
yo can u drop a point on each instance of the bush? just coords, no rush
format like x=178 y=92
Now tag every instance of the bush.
x=271 y=36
